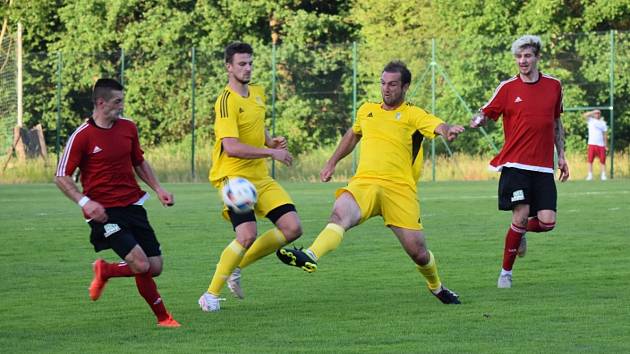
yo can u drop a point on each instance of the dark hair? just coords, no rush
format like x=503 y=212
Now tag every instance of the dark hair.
x=237 y=47
x=397 y=66
x=103 y=89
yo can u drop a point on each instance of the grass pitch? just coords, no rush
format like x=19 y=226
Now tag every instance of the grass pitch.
x=570 y=294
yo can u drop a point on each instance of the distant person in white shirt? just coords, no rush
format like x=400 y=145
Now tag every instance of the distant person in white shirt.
x=597 y=142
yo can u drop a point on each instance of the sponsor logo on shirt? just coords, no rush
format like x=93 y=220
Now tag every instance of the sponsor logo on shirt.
x=397 y=116
x=518 y=195
x=370 y=115
x=110 y=229
x=97 y=149
x=518 y=99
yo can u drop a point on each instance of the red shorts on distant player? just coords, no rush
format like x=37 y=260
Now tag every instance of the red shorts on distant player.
x=596 y=150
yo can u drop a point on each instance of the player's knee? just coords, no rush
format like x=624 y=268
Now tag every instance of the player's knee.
x=292 y=232
x=246 y=240
x=140 y=266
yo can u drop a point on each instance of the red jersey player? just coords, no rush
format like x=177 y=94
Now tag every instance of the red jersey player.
x=530 y=103
x=106 y=150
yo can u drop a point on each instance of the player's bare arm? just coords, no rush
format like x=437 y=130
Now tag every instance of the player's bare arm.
x=92 y=209
x=145 y=172
x=559 y=142
x=478 y=119
x=277 y=142
x=448 y=131
x=234 y=148
x=349 y=140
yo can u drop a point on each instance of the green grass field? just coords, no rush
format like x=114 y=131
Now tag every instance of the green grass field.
x=570 y=294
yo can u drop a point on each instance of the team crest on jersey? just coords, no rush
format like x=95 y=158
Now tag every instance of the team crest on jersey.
x=240 y=110
x=370 y=115
x=397 y=116
x=110 y=229
x=518 y=195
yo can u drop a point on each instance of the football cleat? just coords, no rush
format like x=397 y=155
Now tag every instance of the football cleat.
x=505 y=281
x=297 y=258
x=522 y=247
x=209 y=302
x=98 y=281
x=234 y=284
x=446 y=296
x=169 y=322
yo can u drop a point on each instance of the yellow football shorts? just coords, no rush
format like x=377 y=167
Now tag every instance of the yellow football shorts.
x=396 y=203
x=270 y=196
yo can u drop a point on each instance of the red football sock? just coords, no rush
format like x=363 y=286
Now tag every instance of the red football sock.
x=536 y=225
x=148 y=290
x=512 y=240
x=117 y=269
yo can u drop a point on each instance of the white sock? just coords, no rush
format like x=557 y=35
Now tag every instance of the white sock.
x=504 y=272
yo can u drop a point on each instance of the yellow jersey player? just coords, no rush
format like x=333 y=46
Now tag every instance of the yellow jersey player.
x=391 y=134
x=242 y=145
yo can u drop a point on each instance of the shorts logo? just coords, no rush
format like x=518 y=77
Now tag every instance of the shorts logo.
x=111 y=229
x=518 y=195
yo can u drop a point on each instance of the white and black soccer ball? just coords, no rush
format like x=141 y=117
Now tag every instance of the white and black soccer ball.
x=239 y=194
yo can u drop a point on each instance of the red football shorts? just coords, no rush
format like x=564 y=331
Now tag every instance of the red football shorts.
x=596 y=151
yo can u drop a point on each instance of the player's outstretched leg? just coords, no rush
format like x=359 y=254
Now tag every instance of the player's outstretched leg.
x=297 y=258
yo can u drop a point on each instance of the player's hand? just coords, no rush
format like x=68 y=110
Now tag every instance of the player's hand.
x=326 y=173
x=282 y=155
x=166 y=198
x=564 y=170
x=453 y=131
x=477 y=120
x=279 y=142
x=95 y=211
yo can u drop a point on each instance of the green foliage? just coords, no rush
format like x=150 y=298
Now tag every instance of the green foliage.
x=153 y=41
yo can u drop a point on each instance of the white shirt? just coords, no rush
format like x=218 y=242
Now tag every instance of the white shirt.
x=596 y=130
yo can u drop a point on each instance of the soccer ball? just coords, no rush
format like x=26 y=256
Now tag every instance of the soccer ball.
x=239 y=195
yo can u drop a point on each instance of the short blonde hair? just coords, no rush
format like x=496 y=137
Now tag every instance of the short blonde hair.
x=527 y=41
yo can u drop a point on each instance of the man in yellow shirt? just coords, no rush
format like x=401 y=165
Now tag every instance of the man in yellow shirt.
x=242 y=145
x=391 y=134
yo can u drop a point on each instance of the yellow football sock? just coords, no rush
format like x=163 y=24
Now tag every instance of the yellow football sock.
x=327 y=240
x=430 y=273
x=230 y=257
x=265 y=244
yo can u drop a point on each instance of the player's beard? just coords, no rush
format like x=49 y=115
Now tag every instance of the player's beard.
x=393 y=101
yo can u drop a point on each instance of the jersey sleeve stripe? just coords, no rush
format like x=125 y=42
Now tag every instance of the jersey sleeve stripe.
x=61 y=169
x=224 y=99
x=496 y=92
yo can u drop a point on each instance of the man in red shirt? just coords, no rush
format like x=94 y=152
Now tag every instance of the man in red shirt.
x=531 y=104
x=106 y=150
